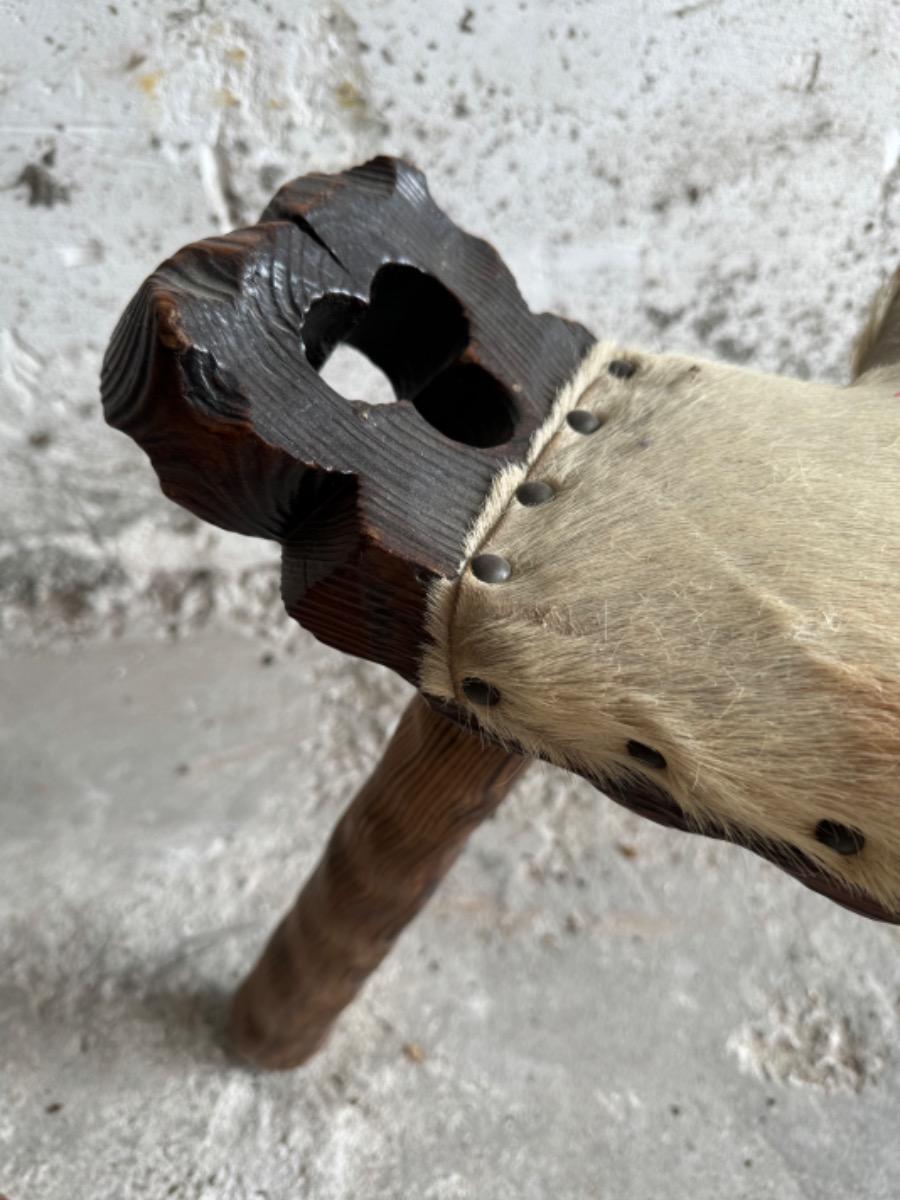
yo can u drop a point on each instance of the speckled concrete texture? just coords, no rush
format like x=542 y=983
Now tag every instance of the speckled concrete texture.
x=591 y=1007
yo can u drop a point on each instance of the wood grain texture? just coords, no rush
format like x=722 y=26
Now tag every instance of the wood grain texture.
x=214 y=371
x=396 y=841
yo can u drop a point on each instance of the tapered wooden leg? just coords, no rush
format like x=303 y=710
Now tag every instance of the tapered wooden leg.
x=433 y=786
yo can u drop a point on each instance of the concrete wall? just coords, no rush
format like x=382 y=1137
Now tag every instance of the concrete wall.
x=712 y=176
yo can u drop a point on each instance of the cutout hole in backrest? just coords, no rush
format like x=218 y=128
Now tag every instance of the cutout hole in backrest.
x=414 y=330
x=352 y=373
x=466 y=403
x=328 y=322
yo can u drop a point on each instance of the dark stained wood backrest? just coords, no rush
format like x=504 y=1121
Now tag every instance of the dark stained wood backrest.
x=214 y=371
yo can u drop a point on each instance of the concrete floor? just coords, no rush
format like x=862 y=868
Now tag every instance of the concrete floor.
x=590 y=1006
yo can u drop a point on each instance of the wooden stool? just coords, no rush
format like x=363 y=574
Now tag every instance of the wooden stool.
x=676 y=578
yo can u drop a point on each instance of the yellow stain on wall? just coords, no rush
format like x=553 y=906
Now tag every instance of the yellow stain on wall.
x=349 y=96
x=227 y=98
x=149 y=82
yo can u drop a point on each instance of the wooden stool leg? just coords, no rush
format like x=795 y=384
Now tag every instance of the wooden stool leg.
x=433 y=786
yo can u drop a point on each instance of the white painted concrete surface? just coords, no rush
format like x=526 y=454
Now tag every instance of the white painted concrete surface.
x=605 y=1010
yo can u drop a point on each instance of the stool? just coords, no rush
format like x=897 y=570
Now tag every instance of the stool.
x=676 y=578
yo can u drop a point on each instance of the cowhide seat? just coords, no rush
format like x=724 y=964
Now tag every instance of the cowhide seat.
x=677 y=578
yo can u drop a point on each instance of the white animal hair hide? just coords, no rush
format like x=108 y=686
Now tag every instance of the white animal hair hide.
x=718 y=578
